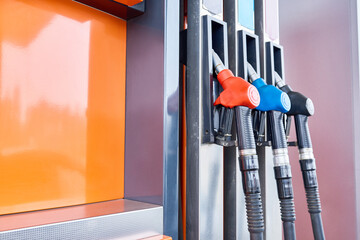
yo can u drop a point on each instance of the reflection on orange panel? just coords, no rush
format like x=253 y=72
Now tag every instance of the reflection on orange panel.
x=62 y=105
x=129 y=2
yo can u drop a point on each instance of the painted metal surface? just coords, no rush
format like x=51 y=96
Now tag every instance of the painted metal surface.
x=171 y=119
x=145 y=106
x=234 y=197
x=213 y=6
x=246 y=14
x=152 y=110
x=136 y=223
x=62 y=105
x=204 y=162
x=322 y=49
x=272 y=19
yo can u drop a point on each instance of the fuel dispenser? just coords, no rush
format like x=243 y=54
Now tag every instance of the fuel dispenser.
x=242 y=97
x=301 y=108
x=277 y=135
x=276 y=103
x=219 y=99
x=202 y=162
x=273 y=103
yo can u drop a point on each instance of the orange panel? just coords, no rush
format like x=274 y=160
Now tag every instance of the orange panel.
x=62 y=105
x=129 y=2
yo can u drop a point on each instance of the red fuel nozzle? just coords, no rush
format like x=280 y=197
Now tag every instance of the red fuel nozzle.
x=237 y=92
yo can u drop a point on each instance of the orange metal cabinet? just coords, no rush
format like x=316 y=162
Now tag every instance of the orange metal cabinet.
x=62 y=105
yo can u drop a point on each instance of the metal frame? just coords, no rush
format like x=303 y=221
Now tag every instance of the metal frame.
x=214 y=36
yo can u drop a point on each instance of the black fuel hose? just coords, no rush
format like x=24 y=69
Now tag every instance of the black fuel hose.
x=308 y=168
x=283 y=175
x=301 y=108
x=249 y=167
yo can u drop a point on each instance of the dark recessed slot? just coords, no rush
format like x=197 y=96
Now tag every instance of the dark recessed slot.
x=274 y=62
x=278 y=60
x=217 y=37
x=248 y=51
x=251 y=50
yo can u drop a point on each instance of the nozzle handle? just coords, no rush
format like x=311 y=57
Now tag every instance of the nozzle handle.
x=302 y=131
x=244 y=129
x=278 y=136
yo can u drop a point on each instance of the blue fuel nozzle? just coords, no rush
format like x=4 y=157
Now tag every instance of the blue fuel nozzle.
x=271 y=98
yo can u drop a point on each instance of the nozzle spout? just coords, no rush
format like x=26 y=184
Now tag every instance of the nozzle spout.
x=218 y=64
x=278 y=80
x=253 y=75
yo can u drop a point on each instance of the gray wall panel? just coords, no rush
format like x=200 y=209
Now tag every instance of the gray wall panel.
x=144 y=105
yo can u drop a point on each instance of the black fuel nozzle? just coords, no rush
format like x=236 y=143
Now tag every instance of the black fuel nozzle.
x=301 y=108
x=299 y=103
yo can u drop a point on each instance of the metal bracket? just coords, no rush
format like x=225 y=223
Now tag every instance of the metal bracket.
x=223 y=133
x=214 y=38
x=292 y=144
x=275 y=63
x=248 y=52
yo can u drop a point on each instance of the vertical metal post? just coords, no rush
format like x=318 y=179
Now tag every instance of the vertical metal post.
x=192 y=93
x=204 y=161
